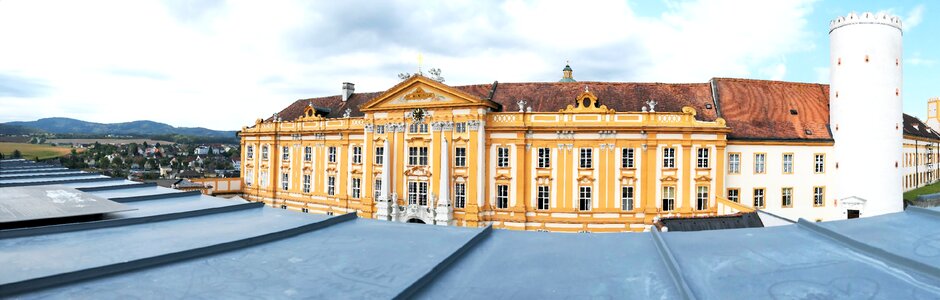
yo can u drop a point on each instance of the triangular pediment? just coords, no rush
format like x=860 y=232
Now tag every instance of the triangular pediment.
x=419 y=91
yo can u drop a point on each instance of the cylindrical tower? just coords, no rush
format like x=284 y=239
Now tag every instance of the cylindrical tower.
x=865 y=112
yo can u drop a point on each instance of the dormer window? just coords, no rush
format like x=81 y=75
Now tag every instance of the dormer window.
x=794 y=112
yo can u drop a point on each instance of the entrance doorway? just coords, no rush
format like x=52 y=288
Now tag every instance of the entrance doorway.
x=417 y=221
x=853 y=213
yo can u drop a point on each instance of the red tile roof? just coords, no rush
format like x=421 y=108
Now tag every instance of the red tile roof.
x=753 y=109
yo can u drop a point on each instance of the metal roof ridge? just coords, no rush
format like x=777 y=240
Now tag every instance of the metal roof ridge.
x=675 y=270
x=428 y=277
x=155 y=196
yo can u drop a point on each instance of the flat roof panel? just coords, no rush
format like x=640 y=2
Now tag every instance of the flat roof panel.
x=52 y=179
x=541 y=265
x=52 y=201
x=116 y=181
x=134 y=191
x=786 y=262
x=173 y=205
x=896 y=234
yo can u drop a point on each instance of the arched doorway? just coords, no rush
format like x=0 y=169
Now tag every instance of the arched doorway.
x=417 y=221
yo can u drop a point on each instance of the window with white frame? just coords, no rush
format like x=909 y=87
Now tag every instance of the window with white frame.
x=460 y=157
x=460 y=126
x=820 y=161
x=417 y=156
x=285 y=181
x=250 y=152
x=502 y=196
x=587 y=158
x=413 y=128
x=734 y=163
x=249 y=177
x=788 y=163
x=379 y=155
x=308 y=153
x=423 y=127
x=584 y=198
x=786 y=197
x=377 y=189
x=356 y=187
x=669 y=198
x=502 y=157
x=701 y=197
x=460 y=195
x=703 y=159
x=734 y=195
x=380 y=129
x=819 y=194
x=263 y=179
x=627 y=158
x=264 y=152
x=331 y=154
x=306 y=187
x=626 y=198
x=285 y=153
x=759 y=198
x=357 y=155
x=669 y=158
x=760 y=166
x=544 y=157
x=418 y=192
x=331 y=185
x=542 y=197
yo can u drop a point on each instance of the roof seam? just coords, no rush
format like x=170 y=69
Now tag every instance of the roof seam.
x=155 y=196
x=428 y=277
x=675 y=271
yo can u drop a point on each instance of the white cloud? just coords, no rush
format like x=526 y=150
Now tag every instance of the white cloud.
x=221 y=65
x=914 y=17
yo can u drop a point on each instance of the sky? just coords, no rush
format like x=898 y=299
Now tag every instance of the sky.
x=223 y=64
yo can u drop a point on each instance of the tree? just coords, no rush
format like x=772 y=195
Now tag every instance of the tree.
x=17 y=153
x=103 y=163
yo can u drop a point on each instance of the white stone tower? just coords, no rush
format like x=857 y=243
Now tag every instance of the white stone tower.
x=865 y=113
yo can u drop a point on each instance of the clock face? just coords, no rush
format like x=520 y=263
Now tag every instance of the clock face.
x=417 y=115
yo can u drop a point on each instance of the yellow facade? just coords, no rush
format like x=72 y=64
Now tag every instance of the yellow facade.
x=675 y=157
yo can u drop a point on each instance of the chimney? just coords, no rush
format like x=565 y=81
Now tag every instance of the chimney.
x=348 y=89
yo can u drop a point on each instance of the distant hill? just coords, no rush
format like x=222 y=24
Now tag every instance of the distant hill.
x=17 y=130
x=143 y=128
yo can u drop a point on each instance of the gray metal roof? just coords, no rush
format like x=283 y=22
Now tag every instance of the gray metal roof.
x=185 y=245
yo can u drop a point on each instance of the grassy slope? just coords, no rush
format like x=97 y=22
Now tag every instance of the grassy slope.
x=30 y=151
x=929 y=189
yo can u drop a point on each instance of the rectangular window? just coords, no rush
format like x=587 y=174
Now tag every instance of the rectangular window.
x=703 y=162
x=760 y=163
x=331 y=154
x=626 y=160
x=587 y=158
x=306 y=183
x=544 y=157
x=502 y=196
x=379 y=155
x=264 y=152
x=734 y=195
x=250 y=152
x=460 y=126
x=377 y=189
x=249 y=177
x=413 y=128
x=819 y=196
x=460 y=195
x=734 y=163
x=418 y=192
x=417 y=156
x=788 y=163
x=423 y=127
x=541 y=197
x=701 y=197
x=285 y=181
x=308 y=153
x=669 y=198
x=285 y=153
x=786 y=197
x=357 y=155
x=264 y=178
x=584 y=198
x=331 y=185
x=356 y=187
x=669 y=158
x=502 y=157
x=626 y=198
x=460 y=157
x=820 y=160
x=380 y=129
x=759 y=198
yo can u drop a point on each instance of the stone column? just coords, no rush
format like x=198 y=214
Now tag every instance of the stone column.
x=443 y=211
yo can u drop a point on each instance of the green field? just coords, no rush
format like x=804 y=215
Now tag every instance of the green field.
x=31 y=151
x=928 y=189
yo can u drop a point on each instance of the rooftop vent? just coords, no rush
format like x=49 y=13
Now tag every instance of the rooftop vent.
x=708 y=106
x=808 y=132
x=794 y=112
x=348 y=89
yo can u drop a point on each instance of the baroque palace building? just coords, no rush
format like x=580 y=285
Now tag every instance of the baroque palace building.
x=604 y=156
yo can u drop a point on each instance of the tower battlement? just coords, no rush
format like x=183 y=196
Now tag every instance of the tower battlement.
x=866 y=18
